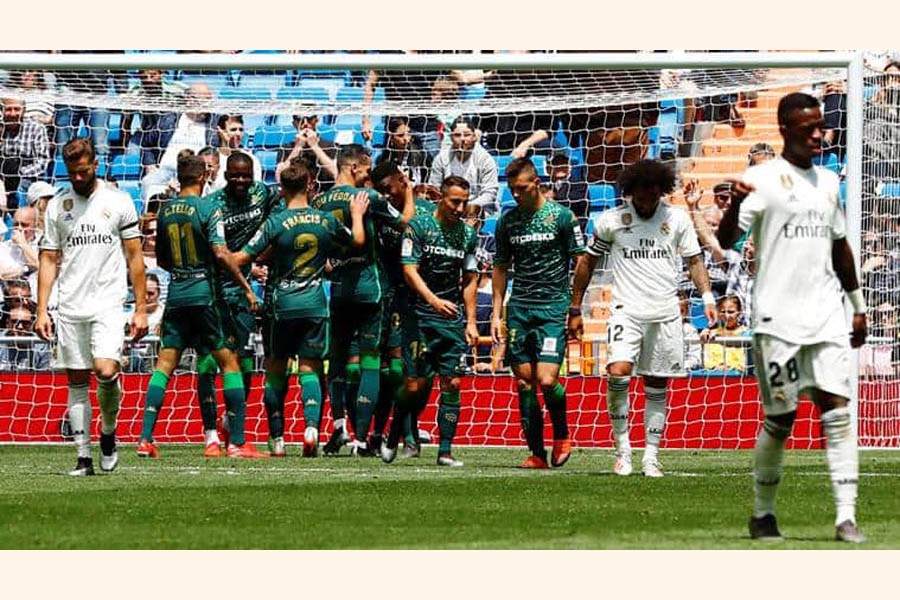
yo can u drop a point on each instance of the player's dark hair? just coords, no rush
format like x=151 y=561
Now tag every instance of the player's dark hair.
x=296 y=177
x=519 y=166
x=381 y=173
x=454 y=181
x=351 y=153
x=224 y=119
x=78 y=148
x=238 y=157
x=153 y=277
x=645 y=174
x=462 y=120
x=394 y=123
x=794 y=101
x=207 y=151
x=191 y=169
x=731 y=298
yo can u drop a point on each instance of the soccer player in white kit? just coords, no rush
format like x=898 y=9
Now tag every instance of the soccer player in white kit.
x=799 y=325
x=86 y=228
x=643 y=243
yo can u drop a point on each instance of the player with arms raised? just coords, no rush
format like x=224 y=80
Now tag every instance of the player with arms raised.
x=356 y=296
x=800 y=329
x=190 y=242
x=643 y=243
x=538 y=239
x=88 y=226
x=301 y=239
x=438 y=257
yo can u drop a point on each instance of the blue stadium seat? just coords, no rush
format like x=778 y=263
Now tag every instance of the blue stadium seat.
x=474 y=92
x=312 y=94
x=506 y=197
x=602 y=196
x=490 y=225
x=830 y=161
x=252 y=123
x=263 y=84
x=59 y=168
x=890 y=189
x=274 y=136
x=539 y=160
x=349 y=95
x=342 y=122
x=241 y=93
x=125 y=166
x=698 y=317
x=132 y=188
x=540 y=163
x=268 y=160
x=589 y=230
x=330 y=84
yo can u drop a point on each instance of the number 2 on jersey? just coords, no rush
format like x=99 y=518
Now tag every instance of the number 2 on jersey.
x=309 y=243
x=182 y=245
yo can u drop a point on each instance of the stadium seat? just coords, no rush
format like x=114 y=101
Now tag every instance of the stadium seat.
x=490 y=225
x=268 y=160
x=539 y=160
x=329 y=84
x=506 y=197
x=349 y=95
x=589 y=229
x=311 y=94
x=342 y=122
x=59 y=168
x=474 y=92
x=241 y=93
x=274 y=136
x=890 y=189
x=132 y=188
x=830 y=161
x=252 y=123
x=125 y=166
x=602 y=196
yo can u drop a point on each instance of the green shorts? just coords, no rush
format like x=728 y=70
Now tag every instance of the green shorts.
x=355 y=322
x=433 y=345
x=304 y=337
x=238 y=323
x=390 y=323
x=197 y=327
x=535 y=335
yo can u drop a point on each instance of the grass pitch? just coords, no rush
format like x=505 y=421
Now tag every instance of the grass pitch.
x=186 y=502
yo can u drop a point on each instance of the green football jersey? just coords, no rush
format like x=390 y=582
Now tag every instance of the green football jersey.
x=186 y=226
x=356 y=275
x=389 y=239
x=539 y=248
x=302 y=239
x=443 y=253
x=242 y=219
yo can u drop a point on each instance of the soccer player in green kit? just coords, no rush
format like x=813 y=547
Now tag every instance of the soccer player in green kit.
x=245 y=204
x=438 y=257
x=190 y=243
x=301 y=239
x=356 y=294
x=538 y=239
x=390 y=181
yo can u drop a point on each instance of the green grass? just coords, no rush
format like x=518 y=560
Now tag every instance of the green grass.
x=184 y=501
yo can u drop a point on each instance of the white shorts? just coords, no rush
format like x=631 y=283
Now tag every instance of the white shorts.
x=785 y=370
x=657 y=348
x=78 y=343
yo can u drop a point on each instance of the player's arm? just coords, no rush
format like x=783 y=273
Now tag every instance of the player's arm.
x=586 y=263
x=692 y=195
x=368 y=96
x=700 y=278
x=729 y=228
x=470 y=301
x=134 y=258
x=229 y=262
x=845 y=269
x=47 y=269
x=499 y=279
x=358 y=207
x=414 y=280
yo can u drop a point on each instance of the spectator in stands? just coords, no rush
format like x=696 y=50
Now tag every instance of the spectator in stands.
x=39 y=111
x=318 y=154
x=706 y=222
x=69 y=118
x=171 y=133
x=759 y=153
x=834 y=110
x=18 y=254
x=38 y=195
x=142 y=355
x=156 y=126
x=26 y=352
x=570 y=193
x=230 y=129
x=614 y=137
x=731 y=356
x=210 y=156
x=471 y=162
x=880 y=270
x=17 y=292
x=405 y=86
x=880 y=356
x=24 y=151
x=693 y=352
x=148 y=225
x=405 y=151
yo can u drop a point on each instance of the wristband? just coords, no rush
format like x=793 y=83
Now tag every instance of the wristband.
x=708 y=299
x=858 y=301
x=574 y=311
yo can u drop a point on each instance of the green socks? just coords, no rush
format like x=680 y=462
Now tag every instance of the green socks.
x=448 y=418
x=153 y=402
x=555 y=400
x=312 y=399
x=532 y=421
x=275 y=390
x=236 y=405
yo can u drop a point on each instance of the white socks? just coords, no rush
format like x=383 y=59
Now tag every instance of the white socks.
x=80 y=418
x=109 y=395
x=654 y=420
x=617 y=404
x=843 y=461
x=212 y=436
x=767 y=458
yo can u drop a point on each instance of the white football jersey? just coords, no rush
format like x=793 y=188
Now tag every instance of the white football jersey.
x=795 y=215
x=645 y=258
x=89 y=233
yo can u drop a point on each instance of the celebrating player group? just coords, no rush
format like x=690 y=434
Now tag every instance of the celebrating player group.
x=400 y=262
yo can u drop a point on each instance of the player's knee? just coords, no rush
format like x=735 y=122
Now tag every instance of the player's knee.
x=547 y=380
x=619 y=369
x=107 y=374
x=780 y=426
x=206 y=365
x=450 y=384
x=523 y=385
x=412 y=386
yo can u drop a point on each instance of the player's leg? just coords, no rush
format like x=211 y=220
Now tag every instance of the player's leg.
x=445 y=344
x=662 y=357
x=273 y=399
x=352 y=392
x=779 y=395
x=624 y=341
x=73 y=344
x=168 y=358
x=369 y=327
x=339 y=354
x=390 y=386
x=407 y=399
x=107 y=339
x=235 y=404
x=549 y=327
x=521 y=355
x=206 y=397
x=311 y=347
x=829 y=364
x=448 y=419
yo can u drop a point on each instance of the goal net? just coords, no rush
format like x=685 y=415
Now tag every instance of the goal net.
x=580 y=126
